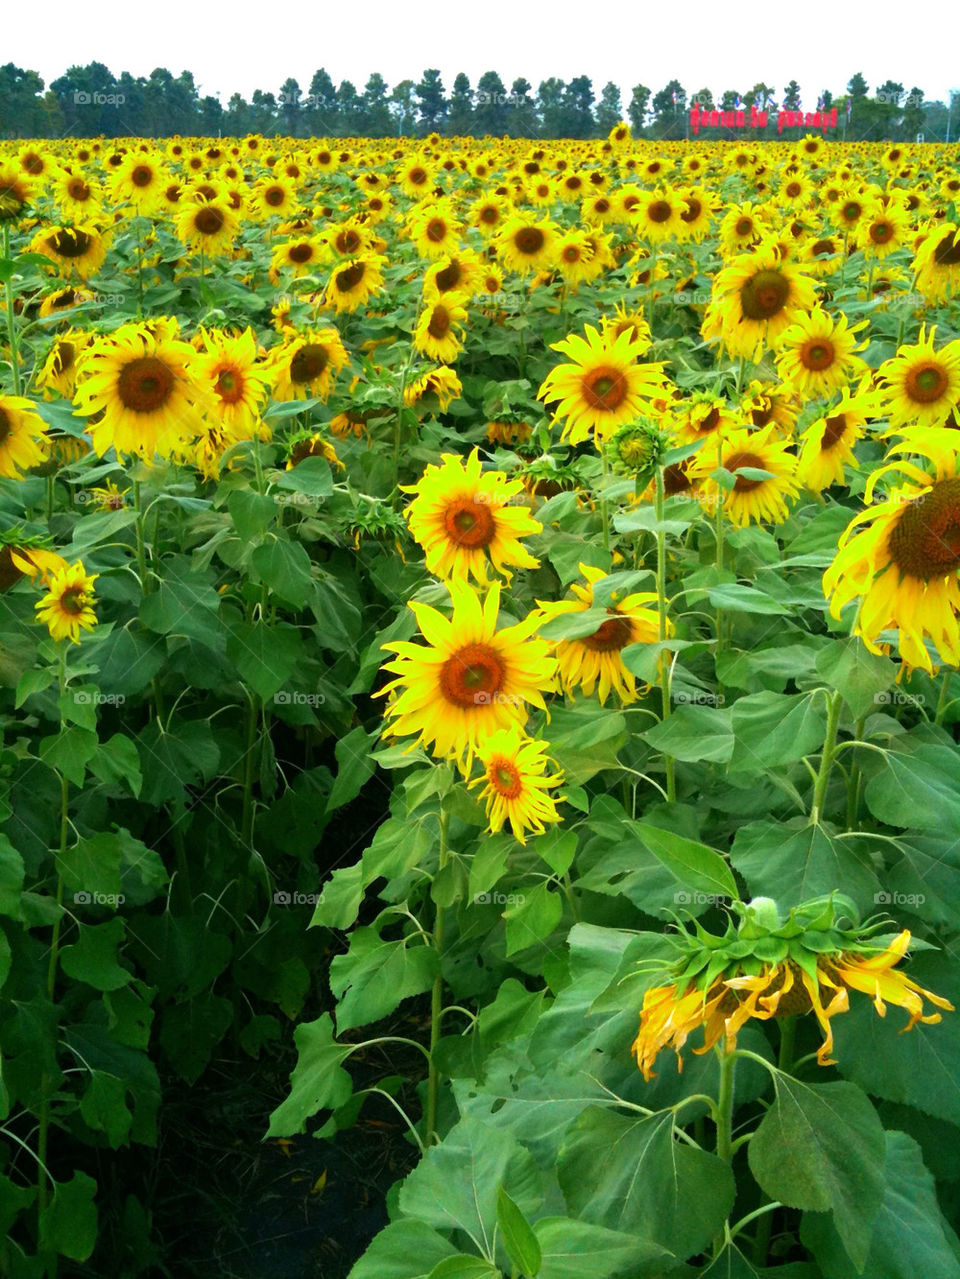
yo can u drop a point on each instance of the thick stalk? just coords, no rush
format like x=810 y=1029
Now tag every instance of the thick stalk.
x=663 y=665
x=11 y=316
x=145 y=583
x=853 y=783
x=436 y=1002
x=724 y=1122
x=826 y=758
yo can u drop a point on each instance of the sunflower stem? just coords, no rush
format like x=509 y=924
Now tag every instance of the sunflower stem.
x=11 y=317
x=436 y=1000
x=718 y=532
x=664 y=666
x=724 y=1123
x=853 y=783
x=136 y=220
x=141 y=545
x=246 y=824
x=826 y=758
x=942 y=700
x=603 y=501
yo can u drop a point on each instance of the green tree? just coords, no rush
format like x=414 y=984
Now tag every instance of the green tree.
x=669 y=111
x=377 y=121
x=578 y=108
x=913 y=114
x=22 y=112
x=704 y=99
x=290 y=106
x=609 y=109
x=492 y=112
x=523 y=117
x=637 y=108
x=401 y=107
x=349 y=109
x=432 y=104
x=550 y=107
x=322 y=108
x=791 y=96
x=460 y=114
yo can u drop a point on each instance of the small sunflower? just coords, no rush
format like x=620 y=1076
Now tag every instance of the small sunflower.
x=68 y=604
x=440 y=383
x=759 y=494
x=305 y=364
x=921 y=385
x=816 y=354
x=936 y=263
x=58 y=373
x=516 y=787
x=228 y=365
x=23 y=437
x=525 y=245
x=466 y=518
x=826 y=446
x=208 y=225
x=439 y=330
x=352 y=284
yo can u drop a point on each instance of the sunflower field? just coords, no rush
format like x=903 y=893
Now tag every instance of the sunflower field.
x=479 y=636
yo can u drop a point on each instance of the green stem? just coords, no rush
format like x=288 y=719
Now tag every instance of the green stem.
x=246 y=824
x=11 y=317
x=853 y=783
x=145 y=583
x=826 y=758
x=436 y=1002
x=663 y=665
x=724 y=1123
x=139 y=270
x=942 y=700
x=603 y=500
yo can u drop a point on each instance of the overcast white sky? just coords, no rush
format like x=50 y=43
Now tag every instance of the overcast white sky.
x=242 y=47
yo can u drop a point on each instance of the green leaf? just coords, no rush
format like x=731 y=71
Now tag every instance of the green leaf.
x=311 y=476
x=733 y=597
x=793 y=861
x=68 y=1224
x=917 y=785
x=340 y=900
x=633 y=1175
x=184 y=603
x=693 y=733
x=68 y=752
x=577 y=1249
x=117 y=760
x=252 y=513
x=909 y=1238
x=318 y=1081
x=104 y=1107
x=522 y=1245
x=375 y=976
x=30 y=682
x=403 y=1250
x=820 y=1147
x=454 y=1187
x=532 y=918
x=265 y=655
x=190 y=1031
x=94 y=957
x=772 y=728
x=858 y=675
x=357 y=766
x=92 y=865
x=12 y=873
x=465 y=1266
x=585 y=740
x=285 y=568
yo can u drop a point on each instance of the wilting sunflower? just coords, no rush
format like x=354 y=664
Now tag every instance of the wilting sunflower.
x=766 y=402
x=138 y=387
x=208 y=225
x=469 y=680
x=440 y=383
x=306 y=443
x=594 y=659
x=228 y=365
x=827 y=444
x=515 y=784
x=351 y=284
x=58 y=373
x=817 y=353
x=761 y=493
x=438 y=334
x=753 y=300
x=76 y=250
x=68 y=603
x=904 y=562
x=465 y=517
x=26 y=555
x=23 y=437
x=305 y=364
x=771 y=969
x=921 y=385
x=603 y=386
x=525 y=245
x=936 y=263
x=63 y=300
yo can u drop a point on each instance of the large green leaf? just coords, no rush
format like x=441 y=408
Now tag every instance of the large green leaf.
x=579 y=1249
x=375 y=975
x=318 y=1081
x=820 y=1147
x=633 y=1175
x=93 y=958
x=917 y=785
x=857 y=674
x=68 y=1224
x=285 y=568
x=403 y=1250
x=692 y=733
x=794 y=861
x=265 y=655
x=522 y=1245
x=773 y=728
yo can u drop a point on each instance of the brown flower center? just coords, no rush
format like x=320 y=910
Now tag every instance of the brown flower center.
x=610 y=636
x=926 y=383
x=449 y=277
x=472 y=676
x=743 y=484
x=692 y=211
x=764 y=295
x=63 y=358
x=823 y=248
x=833 y=432
x=142 y=175
x=881 y=232
x=439 y=324
x=469 y=523
x=659 y=211
x=6 y=426
x=529 y=240
x=70 y=243
x=347 y=241
x=274 y=196
x=708 y=423
x=145 y=385
x=209 y=220
x=300 y=253
x=675 y=479
x=604 y=388
x=947 y=252
x=817 y=355
x=230 y=385
x=309 y=362
x=78 y=190
x=504 y=777
x=350 y=277
x=925 y=542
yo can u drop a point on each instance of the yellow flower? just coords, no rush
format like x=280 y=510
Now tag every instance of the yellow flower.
x=753 y=497
x=305 y=364
x=79 y=249
x=816 y=354
x=827 y=444
x=754 y=300
x=23 y=437
x=68 y=605
x=463 y=516
x=436 y=334
x=351 y=284
x=441 y=382
x=515 y=784
x=921 y=385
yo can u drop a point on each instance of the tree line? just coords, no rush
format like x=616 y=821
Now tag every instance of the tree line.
x=90 y=101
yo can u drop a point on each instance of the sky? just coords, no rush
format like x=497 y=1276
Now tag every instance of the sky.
x=705 y=45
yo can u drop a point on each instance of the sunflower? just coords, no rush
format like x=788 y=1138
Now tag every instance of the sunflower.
x=760 y=497
x=696 y=213
x=721 y=982
x=228 y=366
x=347 y=239
x=305 y=364
x=76 y=196
x=598 y=210
x=76 y=249
x=58 y=373
x=416 y=179
x=753 y=300
x=921 y=386
x=68 y=603
x=23 y=437
x=307 y=443
x=139 y=181
x=904 y=562
x=25 y=555
x=439 y=383
x=936 y=263
x=208 y=225
x=455 y=273
x=702 y=417
x=16 y=190
x=743 y=226
x=436 y=335
x=138 y=387
x=464 y=518
x=434 y=230
x=624 y=321
x=525 y=245
x=272 y=197
x=882 y=230
x=603 y=386
x=489 y=214
x=573 y=256
x=351 y=284
x=469 y=680
x=824 y=255
x=827 y=444
x=297 y=257
x=515 y=784
x=594 y=659
x=659 y=217
x=766 y=402
x=816 y=354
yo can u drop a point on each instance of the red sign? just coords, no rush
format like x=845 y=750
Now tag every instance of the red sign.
x=754 y=119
